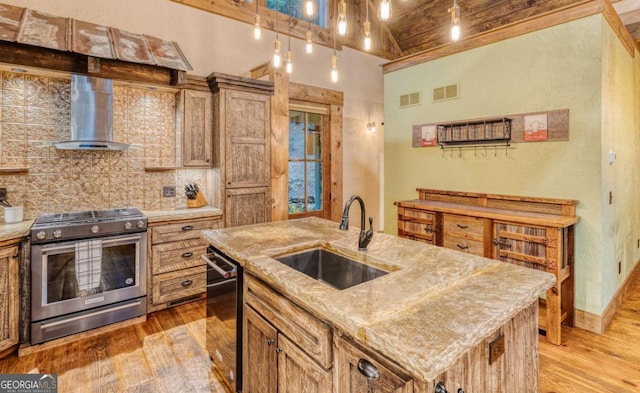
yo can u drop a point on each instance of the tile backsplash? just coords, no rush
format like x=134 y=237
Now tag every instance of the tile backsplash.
x=35 y=112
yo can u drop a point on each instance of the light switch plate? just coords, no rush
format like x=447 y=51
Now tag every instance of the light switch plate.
x=168 y=191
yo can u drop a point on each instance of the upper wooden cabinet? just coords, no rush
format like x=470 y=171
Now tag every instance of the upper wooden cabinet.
x=242 y=135
x=195 y=118
x=9 y=298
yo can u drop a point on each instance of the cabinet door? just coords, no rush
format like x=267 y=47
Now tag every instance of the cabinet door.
x=297 y=372
x=248 y=134
x=352 y=364
x=9 y=297
x=521 y=245
x=247 y=206
x=260 y=361
x=418 y=225
x=197 y=136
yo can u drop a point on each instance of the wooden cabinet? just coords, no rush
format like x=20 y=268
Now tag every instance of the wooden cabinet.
x=242 y=130
x=471 y=235
x=9 y=299
x=418 y=224
x=195 y=119
x=286 y=350
x=359 y=372
x=536 y=233
x=176 y=272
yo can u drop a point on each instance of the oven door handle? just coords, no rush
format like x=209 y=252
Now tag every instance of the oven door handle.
x=224 y=274
x=122 y=239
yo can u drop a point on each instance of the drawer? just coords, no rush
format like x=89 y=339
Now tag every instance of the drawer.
x=417 y=215
x=309 y=333
x=463 y=226
x=184 y=231
x=179 y=284
x=473 y=247
x=168 y=257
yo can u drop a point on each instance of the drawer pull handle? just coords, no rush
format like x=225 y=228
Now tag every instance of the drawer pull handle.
x=187 y=254
x=462 y=247
x=186 y=283
x=462 y=226
x=187 y=228
x=367 y=369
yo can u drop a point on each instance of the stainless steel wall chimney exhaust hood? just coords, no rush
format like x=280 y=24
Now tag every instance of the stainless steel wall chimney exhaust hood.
x=91 y=115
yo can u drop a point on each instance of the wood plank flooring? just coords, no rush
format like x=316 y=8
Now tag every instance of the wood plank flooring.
x=167 y=354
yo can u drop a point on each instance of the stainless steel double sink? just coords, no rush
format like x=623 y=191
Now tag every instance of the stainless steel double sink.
x=330 y=268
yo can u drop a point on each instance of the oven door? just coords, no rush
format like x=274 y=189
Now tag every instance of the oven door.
x=78 y=275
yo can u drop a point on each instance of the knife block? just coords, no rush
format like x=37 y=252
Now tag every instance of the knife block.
x=198 y=202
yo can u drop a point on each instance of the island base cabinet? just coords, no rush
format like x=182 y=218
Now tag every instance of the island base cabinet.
x=516 y=370
x=273 y=363
x=358 y=372
x=9 y=299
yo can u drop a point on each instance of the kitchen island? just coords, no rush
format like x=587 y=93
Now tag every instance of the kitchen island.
x=438 y=316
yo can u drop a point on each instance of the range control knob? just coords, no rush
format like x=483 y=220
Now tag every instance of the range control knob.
x=41 y=235
x=127 y=225
x=95 y=229
x=140 y=224
x=57 y=233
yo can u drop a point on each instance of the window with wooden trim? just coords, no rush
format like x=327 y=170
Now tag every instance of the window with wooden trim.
x=320 y=17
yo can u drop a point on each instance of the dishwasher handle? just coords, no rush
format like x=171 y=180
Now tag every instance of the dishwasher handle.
x=224 y=273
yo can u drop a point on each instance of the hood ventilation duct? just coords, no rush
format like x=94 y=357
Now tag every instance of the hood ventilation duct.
x=91 y=115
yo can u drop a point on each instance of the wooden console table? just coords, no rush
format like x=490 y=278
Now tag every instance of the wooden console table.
x=537 y=233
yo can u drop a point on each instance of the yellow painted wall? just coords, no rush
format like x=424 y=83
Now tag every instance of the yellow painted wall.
x=621 y=135
x=555 y=68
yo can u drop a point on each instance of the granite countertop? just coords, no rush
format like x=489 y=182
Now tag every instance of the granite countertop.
x=21 y=229
x=433 y=306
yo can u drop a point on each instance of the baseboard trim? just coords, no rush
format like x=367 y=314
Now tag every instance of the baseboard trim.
x=599 y=323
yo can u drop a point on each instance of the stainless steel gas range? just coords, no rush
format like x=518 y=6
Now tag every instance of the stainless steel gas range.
x=88 y=269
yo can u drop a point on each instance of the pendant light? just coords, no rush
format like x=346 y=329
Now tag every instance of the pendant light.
x=334 y=61
x=289 y=61
x=367 y=30
x=455 y=21
x=308 y=7
x=309 y=46
x=342 y=18
x=276 y=45
x=256 y=29
x=384 y=11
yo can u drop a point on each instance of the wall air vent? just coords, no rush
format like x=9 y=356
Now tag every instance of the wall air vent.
x=446 y=92
x=410 y=99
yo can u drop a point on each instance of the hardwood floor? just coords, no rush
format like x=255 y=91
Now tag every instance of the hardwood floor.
x=587 y=362
x=167 y=354
x=164 y=354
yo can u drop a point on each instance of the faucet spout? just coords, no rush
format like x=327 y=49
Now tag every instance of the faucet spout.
x=365 y=235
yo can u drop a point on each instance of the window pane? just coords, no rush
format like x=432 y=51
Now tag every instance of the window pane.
x=296 y=135
x=314 y=186
x=314 y=136
x=297 y=10
x=296 y=187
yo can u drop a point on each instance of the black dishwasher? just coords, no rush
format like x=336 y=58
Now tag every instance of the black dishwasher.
x=224 y=316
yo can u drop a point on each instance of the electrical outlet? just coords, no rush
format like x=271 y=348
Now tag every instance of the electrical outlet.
x=3 y=194
x=168 y=191
x=496 y=348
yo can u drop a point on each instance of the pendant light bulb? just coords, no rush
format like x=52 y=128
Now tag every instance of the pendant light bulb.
x=256 y=30
x=309 y=46
x=384 y=11
x=334 y=68
x=367 y=35
x=289 y=63
x=342 y=18
x=455 y=21
x=308 y=7
x=276 y=54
